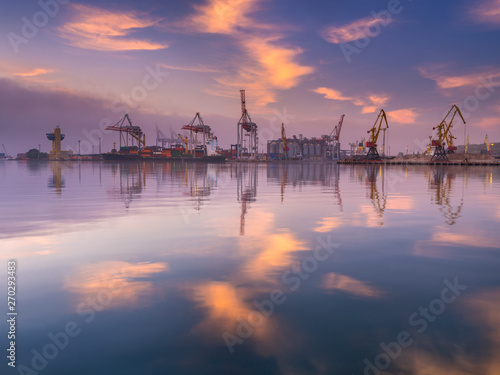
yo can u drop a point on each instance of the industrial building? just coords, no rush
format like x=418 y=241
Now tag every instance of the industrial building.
x=300 y=147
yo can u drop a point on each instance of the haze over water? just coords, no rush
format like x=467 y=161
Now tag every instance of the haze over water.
x=284 y=268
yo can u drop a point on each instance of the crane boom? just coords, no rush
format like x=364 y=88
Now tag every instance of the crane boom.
x=339 y=127
x=283 y=138
x=375 y=130
x=444 y=134
x=444 y=128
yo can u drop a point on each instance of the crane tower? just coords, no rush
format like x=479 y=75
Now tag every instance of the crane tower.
x=248 y=128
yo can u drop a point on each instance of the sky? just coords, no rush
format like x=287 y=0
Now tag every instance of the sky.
x=83 y=65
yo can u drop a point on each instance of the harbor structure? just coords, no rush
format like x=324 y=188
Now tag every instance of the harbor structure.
x=56 y=153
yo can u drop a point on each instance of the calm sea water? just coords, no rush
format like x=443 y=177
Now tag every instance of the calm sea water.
x=299 y=268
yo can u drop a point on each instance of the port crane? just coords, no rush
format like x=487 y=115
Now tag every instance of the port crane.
x=443 y=134
x=283 y=139
x=375 y=131
x=7 y=156
x=246 y=124
x=196 y=127
x=126 y=129
x=185 y=140
x=162 y=139
x=486 y=141
x=336 y=137
x=466 y=148
x=451 y=147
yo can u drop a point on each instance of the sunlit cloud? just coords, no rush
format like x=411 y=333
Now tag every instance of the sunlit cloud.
x=103 y=30
x=465 y=239
x=368 y=109
x=374 y=218
x=486 y=11
x=486 y=78
x=331 y=94
x=28 y=246
x=121 y=282
x=199 y=69
x=224 y=302
x=268 y=68
x=378 y=100
x=488 y=122
x=350 y=32
x=403 y=203
x=275 y=256
x=336 y=282
x=327 y=224
x=278 y=62
x=403 y=116
x=223 y=16
x=370 y=104
x=34 y=72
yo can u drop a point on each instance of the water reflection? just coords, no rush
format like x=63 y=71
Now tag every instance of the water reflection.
x=175 y=255
x=246 y=176
x=56 y=182
x=441 y=180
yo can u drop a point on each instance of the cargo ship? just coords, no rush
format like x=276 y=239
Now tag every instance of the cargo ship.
x=157 y=153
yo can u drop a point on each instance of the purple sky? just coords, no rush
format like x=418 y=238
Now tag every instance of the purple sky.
x=82 y=65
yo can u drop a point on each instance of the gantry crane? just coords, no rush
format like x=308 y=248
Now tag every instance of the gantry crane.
x=162 y=139
x=375 y=131
x=443 y=134
x=249 y=127
x=336 y=138
x=126 y=129
x=283 y=139
x=195 y=128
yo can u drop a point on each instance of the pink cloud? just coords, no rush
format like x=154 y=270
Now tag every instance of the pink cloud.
x=487 y=78
x=103 y=30
x=350 y=32
x=331 y=94
x=489 y=122
x=403 y=116
x=487 y=12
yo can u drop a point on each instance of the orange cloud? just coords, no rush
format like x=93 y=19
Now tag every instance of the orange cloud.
x=403 y=116
x=335 y=282
x=278 y=62
x=368 y=109
x=378 y=100
x=223 y=16
x=327 y=224
x=34 y=72
x=487 y=11
x=119 y=281
x=103 y=30
x=400 y=203
x=275 y=256
x=350 y=32
x=331 y=94
x=267 y=68
x=224 y=302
